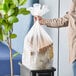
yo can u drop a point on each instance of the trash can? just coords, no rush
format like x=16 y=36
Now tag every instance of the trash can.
x=24 y=71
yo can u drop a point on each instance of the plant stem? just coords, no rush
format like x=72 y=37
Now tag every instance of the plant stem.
x=11 y=59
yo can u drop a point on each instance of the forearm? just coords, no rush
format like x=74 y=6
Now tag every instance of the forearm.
x=57 y=22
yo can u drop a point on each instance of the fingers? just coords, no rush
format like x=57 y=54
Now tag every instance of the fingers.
x=35 y=19
x=39 y=18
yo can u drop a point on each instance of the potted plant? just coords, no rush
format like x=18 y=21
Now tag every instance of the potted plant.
x=10 y=10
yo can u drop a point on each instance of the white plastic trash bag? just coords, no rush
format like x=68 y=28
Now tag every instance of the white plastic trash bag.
x=38 y=46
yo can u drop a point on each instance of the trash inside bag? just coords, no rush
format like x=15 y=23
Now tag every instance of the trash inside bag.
x=38 y=45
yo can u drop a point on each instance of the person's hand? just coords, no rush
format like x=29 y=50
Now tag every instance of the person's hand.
x=39 y=18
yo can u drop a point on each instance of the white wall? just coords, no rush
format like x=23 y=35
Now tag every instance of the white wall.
x=65 y=68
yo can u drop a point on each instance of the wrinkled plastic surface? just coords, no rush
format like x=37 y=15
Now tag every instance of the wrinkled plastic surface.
x=38 y=10
x=38 y=46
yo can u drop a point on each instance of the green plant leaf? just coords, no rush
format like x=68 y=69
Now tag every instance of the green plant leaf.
x=1 y=20
x=12 y=36
x=1 y=7
x=6 y=1
x=4 y=22
x=23 y=11
x=16 y=54
x=5 y=16
x=1 y=34
x=5 y=36
x=15 y=2
x=22 y=2
x=5 y=7
x=12 y=6
x=16 y=9
x=7 y=27
x=12 y=19
x=10 y=12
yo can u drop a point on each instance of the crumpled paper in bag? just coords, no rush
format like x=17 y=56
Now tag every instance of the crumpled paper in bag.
x=38 y=46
